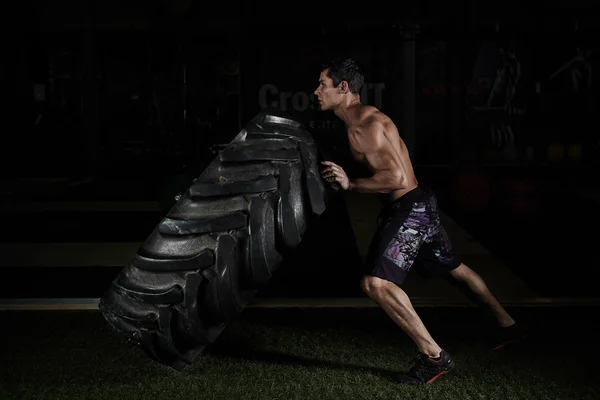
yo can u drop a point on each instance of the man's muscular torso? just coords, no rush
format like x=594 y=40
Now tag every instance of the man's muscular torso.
x=376 y=144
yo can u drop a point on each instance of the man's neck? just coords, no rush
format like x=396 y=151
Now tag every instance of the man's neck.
x=346 y=110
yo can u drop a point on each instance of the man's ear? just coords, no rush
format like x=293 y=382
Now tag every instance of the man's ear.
x=343 y=87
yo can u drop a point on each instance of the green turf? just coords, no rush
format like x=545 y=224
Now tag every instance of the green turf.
x=298 y=354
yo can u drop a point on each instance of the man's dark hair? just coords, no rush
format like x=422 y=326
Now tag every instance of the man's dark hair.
x=345 y=69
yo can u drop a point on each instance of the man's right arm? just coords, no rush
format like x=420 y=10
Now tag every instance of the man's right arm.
x=389 y=175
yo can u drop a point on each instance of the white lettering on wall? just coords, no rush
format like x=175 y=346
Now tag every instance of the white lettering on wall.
x=270 y=96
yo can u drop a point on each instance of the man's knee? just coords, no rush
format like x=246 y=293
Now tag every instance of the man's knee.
x=373 y=286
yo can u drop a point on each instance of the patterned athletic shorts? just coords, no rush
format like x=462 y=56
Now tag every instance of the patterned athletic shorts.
x=410 y=231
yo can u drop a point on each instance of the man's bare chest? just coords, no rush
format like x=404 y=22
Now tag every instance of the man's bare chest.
x=358 y=156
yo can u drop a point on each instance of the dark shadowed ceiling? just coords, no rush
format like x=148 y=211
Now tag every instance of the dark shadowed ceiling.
x=218 y=16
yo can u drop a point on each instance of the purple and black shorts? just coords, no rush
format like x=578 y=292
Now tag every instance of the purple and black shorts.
x=409 y=232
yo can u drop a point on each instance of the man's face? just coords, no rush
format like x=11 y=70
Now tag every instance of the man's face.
x=328 y=95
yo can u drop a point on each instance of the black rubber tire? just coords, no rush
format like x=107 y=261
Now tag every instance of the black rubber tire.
x=221 y=241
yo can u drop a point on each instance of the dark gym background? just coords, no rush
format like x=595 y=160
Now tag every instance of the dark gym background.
x=111 y=108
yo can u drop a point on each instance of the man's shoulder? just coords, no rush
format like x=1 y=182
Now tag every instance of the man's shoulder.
x=371 y=118
x=367 y=111
x=369 y=127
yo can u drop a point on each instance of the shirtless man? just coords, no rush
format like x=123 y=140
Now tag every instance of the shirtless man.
x=410 y=228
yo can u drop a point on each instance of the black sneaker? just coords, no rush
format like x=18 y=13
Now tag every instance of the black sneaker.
x=509 y=335
x=424 y=370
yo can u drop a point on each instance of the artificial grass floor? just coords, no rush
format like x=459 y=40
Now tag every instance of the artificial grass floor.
x=301 y=354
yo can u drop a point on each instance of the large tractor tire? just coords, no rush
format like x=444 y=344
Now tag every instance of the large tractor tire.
x=222 y=240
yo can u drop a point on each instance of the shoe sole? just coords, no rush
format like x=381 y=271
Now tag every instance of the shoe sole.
x=429 y=382
x=504 y=344
x=450 y=368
